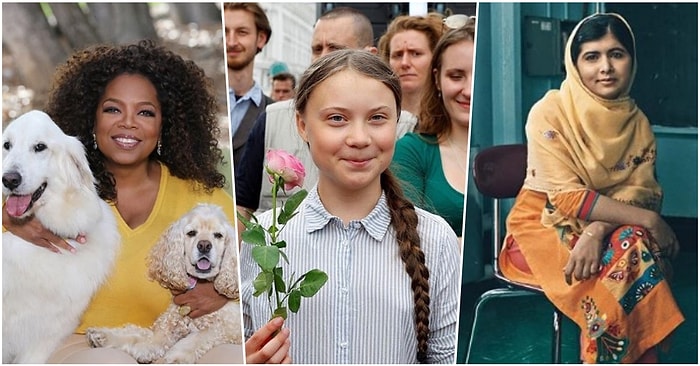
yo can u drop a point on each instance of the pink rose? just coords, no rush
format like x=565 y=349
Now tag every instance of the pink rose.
x=286 y=166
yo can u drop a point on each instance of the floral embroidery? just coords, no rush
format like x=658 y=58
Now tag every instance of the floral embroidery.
x=615 y=329
x=607 y=256
x=624 y=234
x=655 y=273
x=641 y=288
x=632 y=160
x=617 y=276
x=611 y=349
x=619 y=166
x=604 y=339
x=550 y=134
x=629 y=271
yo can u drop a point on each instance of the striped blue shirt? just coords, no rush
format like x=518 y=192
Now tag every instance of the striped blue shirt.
x=365 y=312
x=240 y=107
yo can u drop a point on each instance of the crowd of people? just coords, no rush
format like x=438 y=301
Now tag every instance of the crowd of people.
x=365 y=160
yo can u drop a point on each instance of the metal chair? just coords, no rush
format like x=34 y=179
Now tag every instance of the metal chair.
x=498 y=173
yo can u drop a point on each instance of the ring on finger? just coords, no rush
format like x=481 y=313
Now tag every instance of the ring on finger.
x=184 y=310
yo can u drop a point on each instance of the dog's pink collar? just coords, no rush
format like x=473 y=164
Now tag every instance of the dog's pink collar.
x=191 y=283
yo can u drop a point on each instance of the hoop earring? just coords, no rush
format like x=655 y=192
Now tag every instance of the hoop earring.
x=94 y=141
x=158 y=147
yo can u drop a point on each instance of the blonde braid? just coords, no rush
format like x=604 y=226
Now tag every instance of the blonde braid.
x=405 y=221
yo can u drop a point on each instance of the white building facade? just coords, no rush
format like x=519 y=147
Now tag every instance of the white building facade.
x=292 y=26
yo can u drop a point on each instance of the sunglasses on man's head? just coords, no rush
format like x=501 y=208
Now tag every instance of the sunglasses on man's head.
x=457 y=21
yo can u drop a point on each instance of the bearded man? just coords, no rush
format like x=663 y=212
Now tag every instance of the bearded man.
x=247 y=32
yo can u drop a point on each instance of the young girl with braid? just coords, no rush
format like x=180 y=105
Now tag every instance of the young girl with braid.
x=393 y=269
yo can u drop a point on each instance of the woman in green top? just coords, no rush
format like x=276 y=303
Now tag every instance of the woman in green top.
x=432 y=163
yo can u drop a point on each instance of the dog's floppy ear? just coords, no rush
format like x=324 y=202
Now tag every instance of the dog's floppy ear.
x=226 y=282
x=75 y=157
x=165 y=262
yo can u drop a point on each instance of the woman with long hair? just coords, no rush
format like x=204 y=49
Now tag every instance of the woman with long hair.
x=586 y=225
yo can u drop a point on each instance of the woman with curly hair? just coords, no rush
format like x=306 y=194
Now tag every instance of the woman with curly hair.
x=148 y=120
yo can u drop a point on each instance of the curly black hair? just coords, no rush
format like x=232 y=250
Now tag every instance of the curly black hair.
x=189 y=147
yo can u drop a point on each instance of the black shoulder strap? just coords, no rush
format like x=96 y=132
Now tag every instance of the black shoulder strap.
x=248 y=121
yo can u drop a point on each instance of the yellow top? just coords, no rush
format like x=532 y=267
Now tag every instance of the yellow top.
x=128 y=296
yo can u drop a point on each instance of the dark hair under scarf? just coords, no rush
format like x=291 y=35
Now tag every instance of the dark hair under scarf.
x=596 y=27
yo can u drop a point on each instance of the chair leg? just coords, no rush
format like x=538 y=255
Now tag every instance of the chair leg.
x=497 y=293
x=556 y=337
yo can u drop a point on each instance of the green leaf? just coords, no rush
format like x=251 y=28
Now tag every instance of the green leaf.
x=244 y=220
x=254 y=235
x=294 y=283
x=262 y=283
x=294 y=301
x=284 y=256
x=285 y=217
x=272 y=230
x=279 y=280
x=280 y=244
x=291 y=205
x=267 y=257
x=313 y=281
x=280 y=311
x=295 y=200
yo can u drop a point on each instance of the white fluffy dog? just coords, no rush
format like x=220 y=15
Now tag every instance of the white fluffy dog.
x=200 y=245
x=45 y=174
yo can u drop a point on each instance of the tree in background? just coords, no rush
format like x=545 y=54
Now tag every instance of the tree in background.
x=38 y=36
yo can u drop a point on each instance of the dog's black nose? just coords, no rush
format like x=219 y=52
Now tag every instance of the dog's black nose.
x=204 y=246
x=11 y=180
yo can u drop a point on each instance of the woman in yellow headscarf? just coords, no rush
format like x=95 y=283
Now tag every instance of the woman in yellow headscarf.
x=586 y=225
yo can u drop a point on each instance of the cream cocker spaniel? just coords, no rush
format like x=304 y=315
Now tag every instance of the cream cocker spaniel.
x=200 y=245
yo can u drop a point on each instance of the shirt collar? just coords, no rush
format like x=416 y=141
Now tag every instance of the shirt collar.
x=376 y=223
x=255 y=94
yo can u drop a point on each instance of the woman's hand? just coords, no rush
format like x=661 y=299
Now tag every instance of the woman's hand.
x=664 y=236
x=203 y=299
x=607 y=209
x=267 y=347
x=584 y=261
x=33 y=231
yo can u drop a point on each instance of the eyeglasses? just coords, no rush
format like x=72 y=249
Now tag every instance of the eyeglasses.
x=457 y=21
